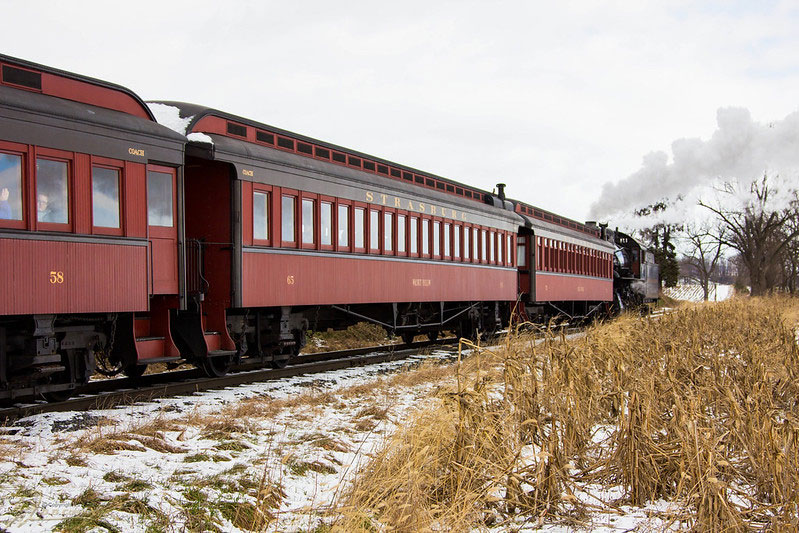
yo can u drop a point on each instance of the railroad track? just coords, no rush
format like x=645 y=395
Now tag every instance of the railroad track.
x=108 y=393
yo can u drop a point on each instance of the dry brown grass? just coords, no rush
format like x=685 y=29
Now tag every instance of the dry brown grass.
x=360 y=335
x=701 y=407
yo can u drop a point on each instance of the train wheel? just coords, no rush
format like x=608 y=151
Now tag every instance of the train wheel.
x=216 y=367
x=134 y=371
x=72 y=362
x=407 y=337
x=432 y=335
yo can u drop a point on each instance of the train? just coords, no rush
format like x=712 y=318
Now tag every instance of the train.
x=134 y=233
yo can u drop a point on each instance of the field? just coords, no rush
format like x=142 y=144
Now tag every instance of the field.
x=684 y=421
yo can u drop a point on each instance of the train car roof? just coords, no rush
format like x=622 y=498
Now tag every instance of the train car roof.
x=196 y=119
x=30 y=76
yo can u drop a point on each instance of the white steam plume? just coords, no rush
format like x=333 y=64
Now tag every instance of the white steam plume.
x=739 y=150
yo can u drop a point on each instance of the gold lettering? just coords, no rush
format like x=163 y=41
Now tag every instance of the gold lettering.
x=246 y=172
x=432 y=210
x=134 y=151
x=410 y=206
x=369 y=196
x=383 y=197
x=397 y=202
x=417 y=282
x=421 y=207
x=454 y=214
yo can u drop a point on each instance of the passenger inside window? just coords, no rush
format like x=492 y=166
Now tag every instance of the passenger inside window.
x=105 y=197
x=52 y=196
x=10 y=187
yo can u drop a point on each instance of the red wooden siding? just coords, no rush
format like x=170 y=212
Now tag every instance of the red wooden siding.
x=93 y=278
x=294 y=279
x=559 y=287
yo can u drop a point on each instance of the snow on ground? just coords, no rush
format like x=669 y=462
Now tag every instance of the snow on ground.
x=693 y=292
x=183 y=463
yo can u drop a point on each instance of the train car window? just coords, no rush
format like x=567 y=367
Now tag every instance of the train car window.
x=159 y=199
x=339 y=157
x=321 y=152
x=509 y=248
x=414 y=235
x=456 y=254
x=476 y=245
x=10 y=187
x=401 y=233
x=374 y=229
x=105 y=197
x=52 y=191
x=521 y=252
x=395 y=173
x=343 y=225
x=260 y=216
x=483 y=243
x=425 y=237
x=447 y=248
x=499 y=248
x=491 y=244
x=285 y=143
x=436 y=238
x=308 y=209
x=360 y=226
x=287 y=208
x=369 y=165
x=388 y=232
x=326 y=223
x=466 y=232
x=304 y=148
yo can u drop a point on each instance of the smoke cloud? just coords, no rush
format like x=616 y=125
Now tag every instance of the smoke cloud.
x=739 y=150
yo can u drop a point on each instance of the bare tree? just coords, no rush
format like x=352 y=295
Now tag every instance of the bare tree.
x=705 y=246
x=757 y=229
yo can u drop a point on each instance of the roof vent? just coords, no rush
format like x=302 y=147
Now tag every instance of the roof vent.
x=24 y=78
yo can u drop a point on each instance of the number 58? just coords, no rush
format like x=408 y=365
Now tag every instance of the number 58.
x=56 y=277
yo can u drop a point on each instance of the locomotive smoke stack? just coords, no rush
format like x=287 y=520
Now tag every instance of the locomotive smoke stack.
x=501 y=191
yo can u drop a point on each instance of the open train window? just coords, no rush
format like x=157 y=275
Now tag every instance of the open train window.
x=11 y=188
x=52 y=191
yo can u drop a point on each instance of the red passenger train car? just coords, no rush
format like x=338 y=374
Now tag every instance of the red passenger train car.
x=293 y=233
x=86 y=178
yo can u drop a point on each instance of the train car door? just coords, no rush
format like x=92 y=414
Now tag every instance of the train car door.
x=162 y=228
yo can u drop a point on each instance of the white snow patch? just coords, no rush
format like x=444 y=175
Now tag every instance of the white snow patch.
x=692 y=292
x=169 y=116
x=200 y=137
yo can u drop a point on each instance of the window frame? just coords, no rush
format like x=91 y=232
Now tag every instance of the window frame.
x=119 y=167
x=404 y=240
x=22 y=152
x=327 y=200
x=294 y=195
x=61 y=156
x=348 y=204
x=314 y=199
x=360 y=206
x=270 y=220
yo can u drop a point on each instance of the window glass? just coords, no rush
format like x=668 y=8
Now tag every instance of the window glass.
x=499 y=247
x=105 y=197
x=287 y=219
x=401 y=233
x=52 y=195
x=388 y=231
x=360 y=223
x=260 y=215
x=436 y=238
x=476 y=244
x=326 y=223
x=521 y=253
x=509 y=248
x=10 y=187
x=374 y=235
x=425 y=236
x=159 y=199
x=343 y=225
x=457 y=253
x=466 y=232
x=447 y=249
x=414 y=235
x=483 y=242
x=307 y=221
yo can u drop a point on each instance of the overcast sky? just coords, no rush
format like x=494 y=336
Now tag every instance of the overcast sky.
x=555 y=99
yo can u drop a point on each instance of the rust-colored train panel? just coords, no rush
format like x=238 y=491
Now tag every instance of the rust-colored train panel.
x=46 y=277
x=564 y=288
x=273 y=279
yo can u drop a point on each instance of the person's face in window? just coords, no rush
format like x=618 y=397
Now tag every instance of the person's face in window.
x=42 y=201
